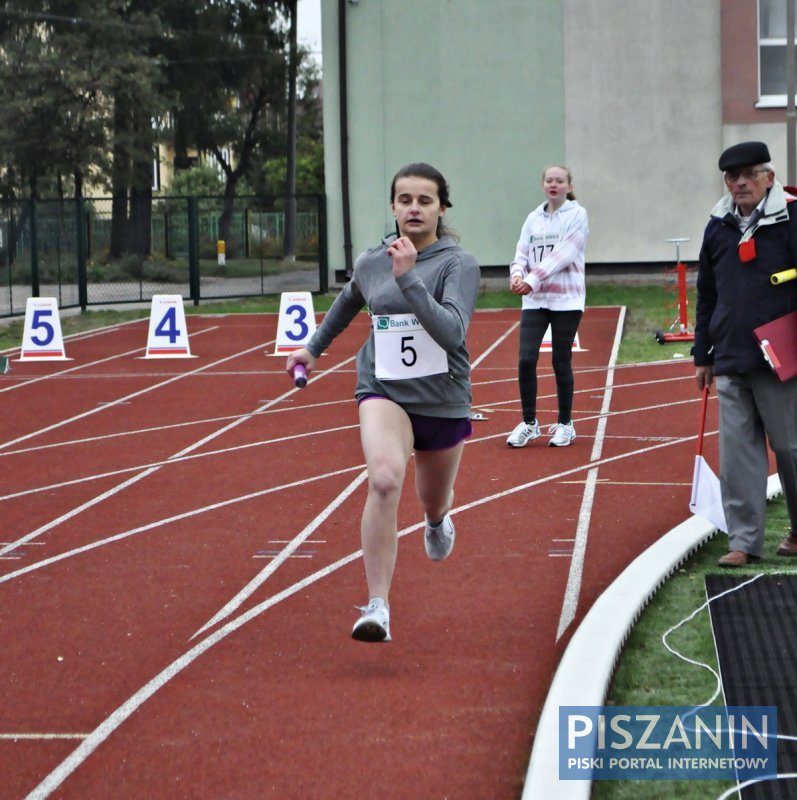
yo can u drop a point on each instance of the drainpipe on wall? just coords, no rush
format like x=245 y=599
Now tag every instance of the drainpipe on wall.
x=344 y=136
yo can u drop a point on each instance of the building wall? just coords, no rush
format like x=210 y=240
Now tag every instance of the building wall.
x=478 y=95
x=742 y=118
x=644 y=122
x=638 y=97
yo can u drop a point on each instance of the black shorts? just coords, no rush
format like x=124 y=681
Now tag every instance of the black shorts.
x=433 y=433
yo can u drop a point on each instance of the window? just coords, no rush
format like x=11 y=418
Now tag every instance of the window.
x=772 y=52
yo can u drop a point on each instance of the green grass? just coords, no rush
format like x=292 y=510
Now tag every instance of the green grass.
x=648 y=674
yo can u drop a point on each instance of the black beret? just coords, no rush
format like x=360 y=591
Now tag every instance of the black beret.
x=744 y=154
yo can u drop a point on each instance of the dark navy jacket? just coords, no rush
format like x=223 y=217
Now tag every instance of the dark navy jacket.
x=736 y=296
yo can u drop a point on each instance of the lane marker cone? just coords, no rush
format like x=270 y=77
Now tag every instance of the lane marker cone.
x=41 y=337
x=547 y=343
x=168 y=333
x=296 y=323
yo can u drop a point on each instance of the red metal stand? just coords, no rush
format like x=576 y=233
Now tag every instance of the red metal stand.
x=684 y=332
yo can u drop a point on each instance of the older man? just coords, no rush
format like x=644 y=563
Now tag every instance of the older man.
x=751 y=234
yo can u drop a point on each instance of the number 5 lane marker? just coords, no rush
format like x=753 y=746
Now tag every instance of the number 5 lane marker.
x=42 y=339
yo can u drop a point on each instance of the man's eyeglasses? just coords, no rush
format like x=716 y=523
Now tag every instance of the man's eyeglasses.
x=749 y=173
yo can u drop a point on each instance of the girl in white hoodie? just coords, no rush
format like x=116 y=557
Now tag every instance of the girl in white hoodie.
x=548 y=272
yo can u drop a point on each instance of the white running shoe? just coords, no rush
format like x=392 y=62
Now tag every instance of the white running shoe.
x=439 y=541
x=523 y=434
x=561 y=434
x=374 y=624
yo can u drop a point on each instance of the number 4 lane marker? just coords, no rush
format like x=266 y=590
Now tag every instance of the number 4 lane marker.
x=168 y=334
x=41 y=337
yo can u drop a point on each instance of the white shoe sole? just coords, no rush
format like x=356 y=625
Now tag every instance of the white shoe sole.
x=510 y=443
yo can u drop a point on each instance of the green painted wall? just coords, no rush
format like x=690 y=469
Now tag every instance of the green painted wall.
x=474 y=88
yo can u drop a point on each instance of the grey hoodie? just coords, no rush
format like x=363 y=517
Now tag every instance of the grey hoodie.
x=440 y=290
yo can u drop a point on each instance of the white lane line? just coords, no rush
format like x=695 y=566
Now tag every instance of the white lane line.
x=14 y=352
x=52 y=781
x=53 y=375
x=578 y=552
x=607 y=482
x=285 y=541
x=573 y=588
x=591 y=390
x=249 y=415
x=306 y=556
x=159 y=373
x=296 y=542
x=159 y=428
x=173 y=460
x=168 y=520
x=286 y=552
x=74 y=512
x=221 y=504
x=13 y=737
x=125 y=484
x=222 y=451
x=495 y=344
x=92 y=411
x=209 y=420
x=70 y=371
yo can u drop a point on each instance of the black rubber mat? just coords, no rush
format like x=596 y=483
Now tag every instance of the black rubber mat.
x=755 y=629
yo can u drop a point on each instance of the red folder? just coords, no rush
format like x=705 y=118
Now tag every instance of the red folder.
x=778 y=342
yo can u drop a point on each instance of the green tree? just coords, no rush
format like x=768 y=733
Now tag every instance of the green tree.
x=84 y=85
x=80 y=83
x=202 y=180
x=52 y=122
x=271 y=179
x=228 y=71
x=289 y=251
x=137 y=94
x=53 y=125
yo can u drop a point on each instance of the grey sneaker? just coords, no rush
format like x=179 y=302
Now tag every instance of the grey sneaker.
x=561 y=435
x=374 y=624
x=523 y=434
x=439 y=541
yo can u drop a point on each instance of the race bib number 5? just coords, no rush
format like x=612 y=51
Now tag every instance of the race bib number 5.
x=404 y=349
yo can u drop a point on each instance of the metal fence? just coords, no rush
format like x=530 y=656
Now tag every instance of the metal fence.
x=62 y=249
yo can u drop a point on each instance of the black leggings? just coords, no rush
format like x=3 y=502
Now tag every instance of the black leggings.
x=533 y=324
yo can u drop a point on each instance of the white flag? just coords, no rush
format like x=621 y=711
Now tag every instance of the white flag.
x=706 y=495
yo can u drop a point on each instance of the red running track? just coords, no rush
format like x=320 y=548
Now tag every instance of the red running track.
x=180 y=566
